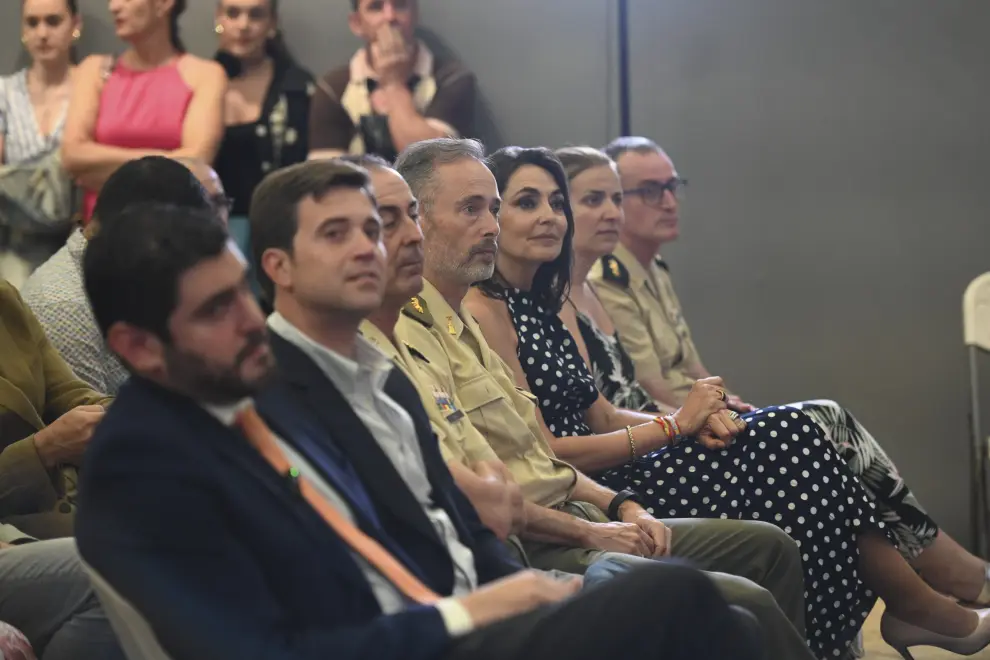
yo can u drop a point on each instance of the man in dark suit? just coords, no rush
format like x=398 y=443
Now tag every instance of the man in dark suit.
x=234 y=538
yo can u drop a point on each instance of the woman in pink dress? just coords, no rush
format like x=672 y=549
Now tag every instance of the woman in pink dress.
x=154 y=99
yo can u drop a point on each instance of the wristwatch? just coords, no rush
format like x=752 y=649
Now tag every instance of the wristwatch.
x=619 y=499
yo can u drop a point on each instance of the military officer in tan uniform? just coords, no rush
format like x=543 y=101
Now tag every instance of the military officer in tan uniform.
x=476 y=468
x=634 y=284
x=459 y=203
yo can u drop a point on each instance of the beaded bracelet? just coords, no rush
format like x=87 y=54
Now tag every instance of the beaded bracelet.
x=632 y=444
x=670 y=428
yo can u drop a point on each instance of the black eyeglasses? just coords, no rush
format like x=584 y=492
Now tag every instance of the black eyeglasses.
x=652 y=192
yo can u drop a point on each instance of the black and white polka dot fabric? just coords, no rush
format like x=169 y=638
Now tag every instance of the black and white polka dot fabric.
x=782 y=470
x=554 y=368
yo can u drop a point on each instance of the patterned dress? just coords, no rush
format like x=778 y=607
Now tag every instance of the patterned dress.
x=782 y=471
x=912 y=527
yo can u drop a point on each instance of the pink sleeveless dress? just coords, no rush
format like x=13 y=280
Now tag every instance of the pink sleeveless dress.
x=141 y=110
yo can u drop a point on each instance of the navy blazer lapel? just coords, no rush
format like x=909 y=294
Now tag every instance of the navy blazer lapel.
x=352 y=437
x=246 y=460
x=285 y=418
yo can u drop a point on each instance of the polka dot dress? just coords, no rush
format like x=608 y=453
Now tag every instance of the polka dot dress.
x=554 y=368
x=782 y=470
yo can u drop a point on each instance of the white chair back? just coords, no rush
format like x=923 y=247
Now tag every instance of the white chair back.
x=976 y=335
x=976 y=313
x=136 y=637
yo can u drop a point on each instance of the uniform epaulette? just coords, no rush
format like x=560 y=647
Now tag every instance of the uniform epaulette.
x=613 y=271
x=662 y=264
x=416 y=354
x=416 y=309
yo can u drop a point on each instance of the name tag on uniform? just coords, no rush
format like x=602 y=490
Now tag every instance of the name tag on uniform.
x=446 y=406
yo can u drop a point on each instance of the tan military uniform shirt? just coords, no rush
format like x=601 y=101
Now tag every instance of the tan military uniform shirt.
x=648 y=318
x=502 y=414
x=459 y=440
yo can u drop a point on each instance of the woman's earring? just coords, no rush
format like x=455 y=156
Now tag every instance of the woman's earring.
x=24 y=41
x=218 y=29
x=76 y=34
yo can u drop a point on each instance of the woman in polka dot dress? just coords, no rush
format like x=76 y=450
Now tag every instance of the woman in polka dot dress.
x=773 y=465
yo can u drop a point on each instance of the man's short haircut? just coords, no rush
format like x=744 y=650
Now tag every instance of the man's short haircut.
x=367 y=161
x=150 y=179
x=274 y=214
x=641 y=145
x=132 y=267
x=418 y=163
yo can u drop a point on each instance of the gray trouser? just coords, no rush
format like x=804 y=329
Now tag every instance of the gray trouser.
x=45 y=592
x=755 y=565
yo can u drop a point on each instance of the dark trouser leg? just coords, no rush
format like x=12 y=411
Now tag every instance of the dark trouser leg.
x=656 y=611
x=756 y=566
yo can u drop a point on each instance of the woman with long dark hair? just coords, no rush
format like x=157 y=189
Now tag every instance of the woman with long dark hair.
x=154 y=99
x=773 y=465
x=266 y=107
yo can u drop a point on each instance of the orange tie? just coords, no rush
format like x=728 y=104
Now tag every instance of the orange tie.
x=259 y=435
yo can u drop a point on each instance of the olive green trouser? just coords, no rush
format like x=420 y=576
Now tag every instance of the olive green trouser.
x=754 y=564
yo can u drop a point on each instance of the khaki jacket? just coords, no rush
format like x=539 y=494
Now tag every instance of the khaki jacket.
x=647 y=315
x=36 y=388
x=502 y=414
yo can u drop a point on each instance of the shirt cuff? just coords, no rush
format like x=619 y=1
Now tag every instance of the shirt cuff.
x=455 y=617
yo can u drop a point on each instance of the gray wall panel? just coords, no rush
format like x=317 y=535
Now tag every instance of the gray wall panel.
x=838 y=205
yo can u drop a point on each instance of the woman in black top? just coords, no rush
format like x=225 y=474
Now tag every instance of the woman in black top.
x=266 y=110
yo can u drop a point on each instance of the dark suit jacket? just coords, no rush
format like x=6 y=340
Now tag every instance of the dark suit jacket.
x=305 y=395
x=220 y=554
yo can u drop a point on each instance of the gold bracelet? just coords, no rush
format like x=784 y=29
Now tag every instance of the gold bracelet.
x=632 y=444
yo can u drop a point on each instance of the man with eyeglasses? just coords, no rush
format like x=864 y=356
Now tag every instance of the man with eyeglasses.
x=633 y=283
x=55 y=291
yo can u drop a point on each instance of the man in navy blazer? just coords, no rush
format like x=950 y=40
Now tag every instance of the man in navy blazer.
x=221 y=553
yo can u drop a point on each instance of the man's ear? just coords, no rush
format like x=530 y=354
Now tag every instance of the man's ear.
x=277 y=264
x=141 y=350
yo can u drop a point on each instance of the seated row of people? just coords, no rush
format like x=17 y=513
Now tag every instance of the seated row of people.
x=251 y=111
x=466 y=385
x=308 y=512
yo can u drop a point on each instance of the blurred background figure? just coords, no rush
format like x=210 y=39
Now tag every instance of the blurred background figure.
x=154 y=99
x=36 y=200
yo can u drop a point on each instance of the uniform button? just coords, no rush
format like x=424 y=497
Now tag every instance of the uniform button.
x=65 y=507
x=266 y=166
x=261 y=130
x=291 y=136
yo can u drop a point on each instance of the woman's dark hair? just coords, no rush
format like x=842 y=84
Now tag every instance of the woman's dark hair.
x=552 y=281
x=177 y=9
x=275 y=47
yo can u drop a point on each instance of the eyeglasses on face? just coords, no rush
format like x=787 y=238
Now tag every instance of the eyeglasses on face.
x=652 y=192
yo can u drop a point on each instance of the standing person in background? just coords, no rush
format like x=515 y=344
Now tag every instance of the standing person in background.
x=393 y=93
x=266 y=107
x=33 y=107
x=154 y=99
